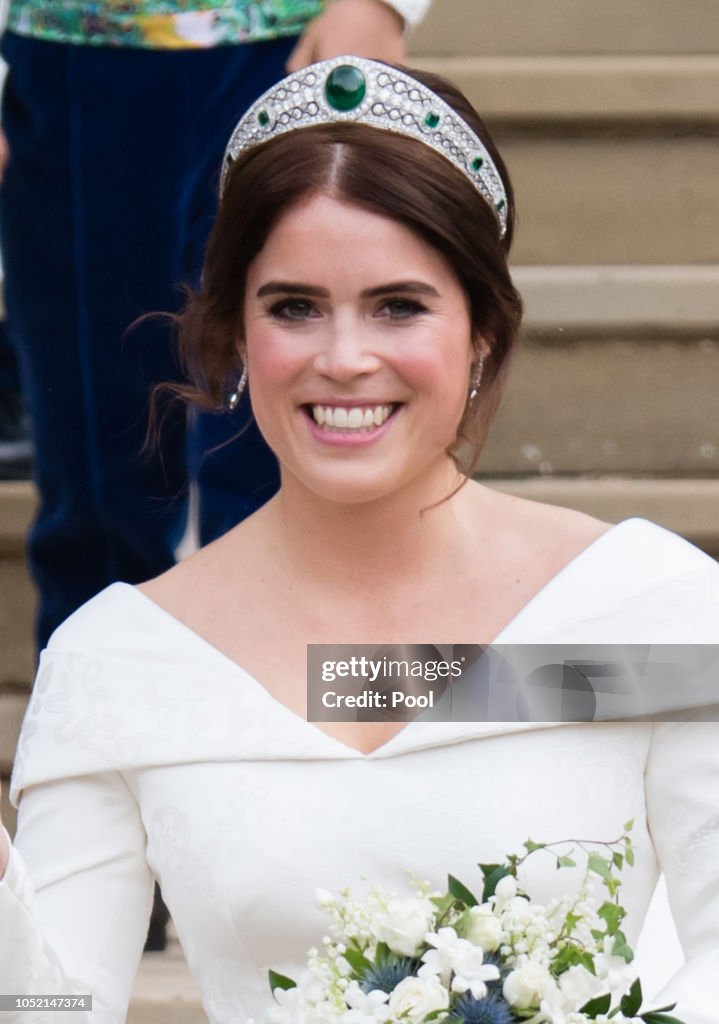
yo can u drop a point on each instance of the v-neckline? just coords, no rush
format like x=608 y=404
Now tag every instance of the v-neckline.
x=378 y=751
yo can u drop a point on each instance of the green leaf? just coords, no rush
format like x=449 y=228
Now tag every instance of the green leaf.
x=632 y=1000
x=488 y=869
x=596 y=1006
x=613 y=915
x=492 y=874
x=628 y=825
x=660 y=1018
x=600 y=866
x=618 y=859
x=530 y=846
x=622 y=948
x=570 y=956
x=572 y=920
x=663 y=1009
x=566 y=862
x=357 y=961
x=461 y=892
x=629 y=854
x=280 y=981
x=442 y=903
x=382 y=954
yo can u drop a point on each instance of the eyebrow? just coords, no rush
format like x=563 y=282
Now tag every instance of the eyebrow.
x=296 y=288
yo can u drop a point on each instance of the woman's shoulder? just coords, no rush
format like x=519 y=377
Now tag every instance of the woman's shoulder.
x=99 y=622
x=634 y=581
x=635 y=539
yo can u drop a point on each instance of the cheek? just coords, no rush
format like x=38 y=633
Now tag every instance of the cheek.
x=438 y=369
x=271 y=361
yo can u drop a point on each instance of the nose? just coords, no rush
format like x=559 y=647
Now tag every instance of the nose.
x=346 y=352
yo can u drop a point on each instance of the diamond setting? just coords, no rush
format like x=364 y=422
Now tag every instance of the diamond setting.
x=371 y=93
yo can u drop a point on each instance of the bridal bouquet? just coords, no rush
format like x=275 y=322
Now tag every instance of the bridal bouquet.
x=454 y=958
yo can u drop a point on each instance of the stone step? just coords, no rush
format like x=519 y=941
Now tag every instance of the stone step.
x=496 y=27
x=620 y=301
x=596 y=198
x=165 y=991
x=647 y=92
x=614 y=158
x=612 y=406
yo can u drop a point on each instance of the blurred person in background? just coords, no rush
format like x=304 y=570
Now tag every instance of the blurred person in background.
x=15 y=447
x=113 y=114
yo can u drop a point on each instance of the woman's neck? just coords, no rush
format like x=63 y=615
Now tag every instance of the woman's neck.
x=402 y=535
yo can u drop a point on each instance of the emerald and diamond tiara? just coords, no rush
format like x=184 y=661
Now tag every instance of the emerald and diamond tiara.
x=362 y=91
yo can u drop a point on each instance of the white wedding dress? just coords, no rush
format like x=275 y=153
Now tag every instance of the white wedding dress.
x=147 y=753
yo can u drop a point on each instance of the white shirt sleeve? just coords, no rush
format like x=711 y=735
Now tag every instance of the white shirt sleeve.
x=682 y=786
x=411 y=10
x=75 y=899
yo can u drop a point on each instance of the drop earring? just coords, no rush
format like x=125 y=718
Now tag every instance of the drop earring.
x=234 y=399
x=477 y=378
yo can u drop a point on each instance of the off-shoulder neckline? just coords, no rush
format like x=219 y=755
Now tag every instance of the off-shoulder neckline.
x=503 y=636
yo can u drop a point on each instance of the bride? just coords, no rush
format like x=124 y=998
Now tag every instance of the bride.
x=356 y=284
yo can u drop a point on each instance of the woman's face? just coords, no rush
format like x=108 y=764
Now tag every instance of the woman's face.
x=358 y=347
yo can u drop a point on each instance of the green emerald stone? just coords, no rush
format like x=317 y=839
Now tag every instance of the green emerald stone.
x=432 y=119
x=500 y=205
x=345 y=87
x=478 y=163
x=263 y=118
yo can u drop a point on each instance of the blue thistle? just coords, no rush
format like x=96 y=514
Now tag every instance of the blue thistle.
x=493 y=1009
x=387 y=976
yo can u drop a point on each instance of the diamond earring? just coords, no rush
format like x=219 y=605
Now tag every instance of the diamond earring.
x=477 y=378
x=234 y=399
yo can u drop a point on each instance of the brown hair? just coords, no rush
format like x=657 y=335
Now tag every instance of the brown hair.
x=386 y=173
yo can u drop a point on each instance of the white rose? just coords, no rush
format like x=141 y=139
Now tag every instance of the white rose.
x=579 y=985
x=416 y=997
x=524 y=987
x=404 y=925
x=483 y=928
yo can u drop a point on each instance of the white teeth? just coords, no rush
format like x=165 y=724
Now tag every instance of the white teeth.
x=357 y=418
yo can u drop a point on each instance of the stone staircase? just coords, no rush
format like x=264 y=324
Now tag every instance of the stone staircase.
x=608 y=117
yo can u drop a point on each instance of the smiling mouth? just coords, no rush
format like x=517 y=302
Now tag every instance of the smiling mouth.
x=344 y=419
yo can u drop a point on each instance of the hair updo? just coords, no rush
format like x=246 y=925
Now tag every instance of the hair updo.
x=385 y=173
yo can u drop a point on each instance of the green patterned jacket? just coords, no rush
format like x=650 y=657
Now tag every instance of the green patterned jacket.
x=160 y=24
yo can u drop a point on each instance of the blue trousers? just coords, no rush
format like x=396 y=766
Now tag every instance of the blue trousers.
x=105 y=210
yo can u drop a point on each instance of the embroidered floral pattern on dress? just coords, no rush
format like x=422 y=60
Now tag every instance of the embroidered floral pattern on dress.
x=160 y=24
